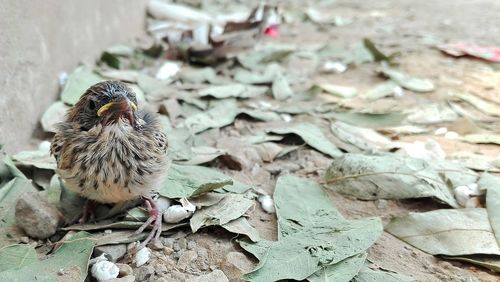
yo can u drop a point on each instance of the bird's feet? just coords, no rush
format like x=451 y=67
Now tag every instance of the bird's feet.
x=155 y=218
x=88 y=212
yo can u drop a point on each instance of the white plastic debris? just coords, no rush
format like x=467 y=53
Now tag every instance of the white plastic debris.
x=441 y=131
x=163 y=204
x=104 y=270
x=267 y=203
x=464 y=194
x=142 y=256
x=175 y=213
x=451 y=135
x=167 y=70
x=335 y=67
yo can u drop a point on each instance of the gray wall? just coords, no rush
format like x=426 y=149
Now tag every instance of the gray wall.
x=39 y=40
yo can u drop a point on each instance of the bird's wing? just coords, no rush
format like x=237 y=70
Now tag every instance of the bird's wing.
x=59 y=148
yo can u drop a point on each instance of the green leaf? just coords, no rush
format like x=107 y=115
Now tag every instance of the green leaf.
x=231 y=207
x=387 y=177
x=257 y=77
x=68 y=263
x=189 y=181
x=123 y=75
x=369 y=275
x=256 y=59
x=180 y=142
x=8 y=169
x=281 y=89
x=78 y=82
x=16 y=256
x=200 y=75
x=366 y=139
x=9 y=193
x=370 y=120
x=381 y=90
x=447 y=232
x=409 y=82
x=121 y=50
x=492 y=185
x=153 y=88
x=222 y=114
x=242 y=226
x=340 y=272
x=110 y=59
x=234 y=90
x=376 y=53
x=53 y=115
x=312 y=135
x=40 y=158
x=479 y=138
x=337 y=90
x=154 y=51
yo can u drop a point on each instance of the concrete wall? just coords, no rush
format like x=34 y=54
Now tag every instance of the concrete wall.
x=39 y=40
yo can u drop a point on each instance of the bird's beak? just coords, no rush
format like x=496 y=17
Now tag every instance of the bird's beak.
x=120 y=107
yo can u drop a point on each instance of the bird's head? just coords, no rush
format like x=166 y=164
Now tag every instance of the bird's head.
x=105 y=103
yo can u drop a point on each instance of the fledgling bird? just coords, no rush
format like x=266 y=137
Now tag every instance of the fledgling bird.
x=108 y=151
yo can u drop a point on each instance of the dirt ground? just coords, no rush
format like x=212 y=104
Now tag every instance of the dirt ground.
x=410 y=27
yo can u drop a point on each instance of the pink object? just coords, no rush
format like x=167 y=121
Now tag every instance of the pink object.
x=272 y=31
x=491 y=54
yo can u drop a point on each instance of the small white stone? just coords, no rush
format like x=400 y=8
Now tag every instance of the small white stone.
x=163 y=204
x=104 y=270
x=336 y=67
x=286 y=117
x=451 y=135
x=62 y=78
x=441 y=131
x=175 y=213
x=108 y=231
x=167 y=70
x=142 y=256
x=398 y=91
x=267 y=203
x=464 y=193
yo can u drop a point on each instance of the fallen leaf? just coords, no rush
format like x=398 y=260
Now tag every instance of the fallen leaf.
x=376 y=53
x=491 y=54
x=409 y=82
x=431 y=113
x=369 y=275
x=480 y=104
x=200 y=75
x=242 y=226
x=222 y=114
x=180 y=142
x=482 y=138
x=365 y=139
x=123 y=75
x=53 y=115
x=121 y=50
x=153 y=88
x=73 y=255
x=231 y=207
x=234 y=90
x=257 y=77
x=337 y=90
x=78 y=82
x=369 y=120
x=381 y=90
x=312 y=135
x=309 y=236
x=340 y=272
x=387 y=177
x=255 y=60
x=492 y=185
x=189 y=181
x=447 y=232
x=17 y=256
x=110 y=59
x=40 y=158
x=281 y=89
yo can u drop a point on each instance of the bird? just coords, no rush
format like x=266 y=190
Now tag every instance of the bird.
x=109 y=151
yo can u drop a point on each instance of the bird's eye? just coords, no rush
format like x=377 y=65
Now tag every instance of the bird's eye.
x=91 y=105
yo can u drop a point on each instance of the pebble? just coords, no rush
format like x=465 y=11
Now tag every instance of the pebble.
x=142 y=256
x=267 y=203
x=112 y=252
x=36 y=216
x=104 y=270
x=185 y=259
x=125 y=269
x=156 y=244
x=168 y=251
x=167 y=242
x=182 y=243
x=381 y=203
x=216 y=276
x=191 y=245
x=143 y=273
